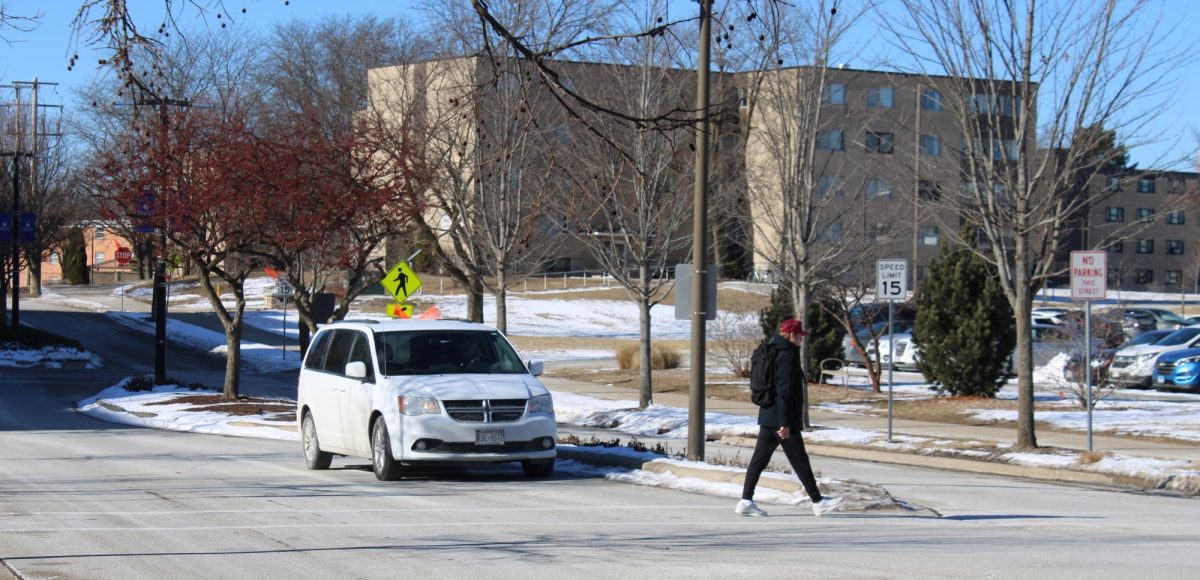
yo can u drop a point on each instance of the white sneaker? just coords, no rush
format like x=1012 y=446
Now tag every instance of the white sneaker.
x=748 y=508
x=827 y=504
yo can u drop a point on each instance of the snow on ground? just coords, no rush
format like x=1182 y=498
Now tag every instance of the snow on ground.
x=576 y=318
x=264 y=358
x=1174 y=419
x=48 y=357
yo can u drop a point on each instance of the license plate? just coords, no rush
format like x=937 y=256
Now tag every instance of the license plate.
x=489 y=437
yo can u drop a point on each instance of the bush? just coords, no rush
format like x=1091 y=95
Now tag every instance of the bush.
x=733 y=339
x=661 y=357
x=964 y=326
x=824 y=333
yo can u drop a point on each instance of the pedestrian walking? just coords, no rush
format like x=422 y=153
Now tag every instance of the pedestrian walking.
x=781 y=421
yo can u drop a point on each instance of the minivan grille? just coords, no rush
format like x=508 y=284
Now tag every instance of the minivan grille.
x=486 y=410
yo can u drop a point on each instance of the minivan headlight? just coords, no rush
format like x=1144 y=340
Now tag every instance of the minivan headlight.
x=540 y=404
x=419 y=406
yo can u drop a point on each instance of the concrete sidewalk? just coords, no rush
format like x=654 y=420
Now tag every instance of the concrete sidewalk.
x=986 y=434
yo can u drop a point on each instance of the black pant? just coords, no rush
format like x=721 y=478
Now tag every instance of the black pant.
x=793 y=447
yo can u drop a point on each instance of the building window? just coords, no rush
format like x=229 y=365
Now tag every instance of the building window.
x=1145 y=185
x=1175 y=247
x=878 y=189
x=931 y=100
x=1144 y=247
x=1174 y=277
x=1143 y=276
x=743 y=97
x=879 y=98
x=1113 y=183
x=99 y=258
x=880 y=142
x=929 y=235
x=1145 y=214
x=834 y=94
x=830 y=141
x=1175 y=218
x=828 y=186
x=53 y=257
x=880 y=232
x=1174 y=185
x=1114 y=214
x=928 y=190
x=99 y=233
x=931 y=146
x=1116 y=247
x=834 y=233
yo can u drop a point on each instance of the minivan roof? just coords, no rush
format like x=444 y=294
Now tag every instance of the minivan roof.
x=375 y=325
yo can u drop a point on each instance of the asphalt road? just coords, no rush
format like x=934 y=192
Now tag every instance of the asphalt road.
x=80 y=498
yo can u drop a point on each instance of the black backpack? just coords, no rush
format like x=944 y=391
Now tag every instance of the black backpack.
x=762 y=375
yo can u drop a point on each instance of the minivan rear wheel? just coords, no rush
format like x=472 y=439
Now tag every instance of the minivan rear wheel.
x=385 y=466
x=540 y=468
x=314 y=458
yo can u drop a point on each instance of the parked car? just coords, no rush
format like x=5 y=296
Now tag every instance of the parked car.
x=1193 y=319
x=1133 y=322
x=1134 y=365
x=904 y=357
x=1050 y=314
x=405 y=391
x=1179 y=369
x=1102 y=360
x=1164 y=318
x=879 y=329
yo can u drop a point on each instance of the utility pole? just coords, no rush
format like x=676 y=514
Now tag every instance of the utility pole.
x=159 y=303
x=17 y=153
x=699 y=243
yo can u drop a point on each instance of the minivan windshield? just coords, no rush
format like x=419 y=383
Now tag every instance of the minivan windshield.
x=438 y=352
x=1178 y=337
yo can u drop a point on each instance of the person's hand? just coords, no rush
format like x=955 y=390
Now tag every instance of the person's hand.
x=783 y=432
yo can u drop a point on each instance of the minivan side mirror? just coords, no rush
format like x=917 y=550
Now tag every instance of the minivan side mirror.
x=536 y=367
x=356 y=370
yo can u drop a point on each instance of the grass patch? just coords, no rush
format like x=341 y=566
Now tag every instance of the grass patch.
x=661 y=357
x=1090 y=457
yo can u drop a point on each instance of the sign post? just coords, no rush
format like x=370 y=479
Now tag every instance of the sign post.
x=285 y=290
x=1089 y=281
x=891 y=285
x=123 y=256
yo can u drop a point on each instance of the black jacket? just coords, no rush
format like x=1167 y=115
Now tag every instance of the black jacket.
x=789 y=394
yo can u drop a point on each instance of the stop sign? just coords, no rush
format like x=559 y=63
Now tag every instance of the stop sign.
x=123 y=256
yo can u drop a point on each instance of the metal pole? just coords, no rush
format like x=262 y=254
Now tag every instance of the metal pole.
x=1087 y=363
x=285 y=301
x=16 y=240
x=891 y=365
x=699 y=243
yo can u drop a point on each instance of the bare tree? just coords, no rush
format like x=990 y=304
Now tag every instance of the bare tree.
x=1019 y=76
x=632 y=197
x=798 y=179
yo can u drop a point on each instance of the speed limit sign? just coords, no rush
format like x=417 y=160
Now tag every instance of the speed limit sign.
x=891 y=280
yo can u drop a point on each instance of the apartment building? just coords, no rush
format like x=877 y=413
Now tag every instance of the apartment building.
x=884 y=162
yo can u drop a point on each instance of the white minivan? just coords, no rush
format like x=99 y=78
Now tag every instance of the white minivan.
x=411 y=391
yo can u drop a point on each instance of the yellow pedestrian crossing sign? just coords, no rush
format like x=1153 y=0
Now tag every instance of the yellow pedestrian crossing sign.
x=400 y=310
x=401 y=282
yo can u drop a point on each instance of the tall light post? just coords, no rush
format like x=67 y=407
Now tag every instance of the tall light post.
x=699 y=243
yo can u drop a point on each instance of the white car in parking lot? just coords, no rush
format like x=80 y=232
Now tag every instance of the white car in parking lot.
x=1134 y=365
x=413 y=391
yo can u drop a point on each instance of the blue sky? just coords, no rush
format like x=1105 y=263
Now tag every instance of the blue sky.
x=44 y=52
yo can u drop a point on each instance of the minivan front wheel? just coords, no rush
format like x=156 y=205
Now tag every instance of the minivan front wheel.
x=539 y=469
x=385 y=466
x=314 y=458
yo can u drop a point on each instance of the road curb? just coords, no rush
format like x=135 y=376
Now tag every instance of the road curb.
x=598 y=456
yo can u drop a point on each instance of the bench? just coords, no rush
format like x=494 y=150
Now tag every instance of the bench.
x=833 y=368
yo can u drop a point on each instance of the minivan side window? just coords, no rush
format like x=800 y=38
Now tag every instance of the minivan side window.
x=362 y=353
x=339 y=351
x=316 y=353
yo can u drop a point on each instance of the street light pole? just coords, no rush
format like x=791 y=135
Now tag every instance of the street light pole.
x=699 y=244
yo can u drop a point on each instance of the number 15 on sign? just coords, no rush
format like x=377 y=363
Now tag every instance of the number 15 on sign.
x=891 y=281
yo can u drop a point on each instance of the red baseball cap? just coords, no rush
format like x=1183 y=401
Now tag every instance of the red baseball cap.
x=792 y=326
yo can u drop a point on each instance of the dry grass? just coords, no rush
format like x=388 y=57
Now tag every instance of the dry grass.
x=276 y=409
x=661 y=357
x=1090 y=457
